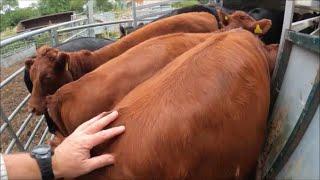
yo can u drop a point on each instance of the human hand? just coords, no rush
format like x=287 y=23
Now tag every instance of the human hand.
x=72 y=157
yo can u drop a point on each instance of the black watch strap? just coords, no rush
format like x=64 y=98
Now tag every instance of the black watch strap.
x=45 y=166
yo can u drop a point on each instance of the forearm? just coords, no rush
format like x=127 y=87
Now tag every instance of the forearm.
x=21 y=166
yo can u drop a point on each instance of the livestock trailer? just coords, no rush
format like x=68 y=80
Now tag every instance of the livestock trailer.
x=292 y=146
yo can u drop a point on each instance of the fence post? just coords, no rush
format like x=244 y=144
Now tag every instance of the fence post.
x=90 y=18
x=134 y=13
x=54 y=37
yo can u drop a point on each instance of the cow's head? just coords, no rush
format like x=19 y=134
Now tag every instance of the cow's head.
x=244 y=20
x=48 y=71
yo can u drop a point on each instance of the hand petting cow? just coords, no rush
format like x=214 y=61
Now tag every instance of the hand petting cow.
x=183 y=97
x=97 y=91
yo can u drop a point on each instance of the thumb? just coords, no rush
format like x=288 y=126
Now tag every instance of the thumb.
x=99 y=161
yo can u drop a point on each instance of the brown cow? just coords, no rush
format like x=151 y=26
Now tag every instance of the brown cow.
x=202 y=117
x=104 y=87
x=51 y=68
x=98 y=91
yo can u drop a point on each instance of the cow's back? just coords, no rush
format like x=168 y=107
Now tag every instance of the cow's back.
x=110 y=82
x=202 y=117
x=86 y=43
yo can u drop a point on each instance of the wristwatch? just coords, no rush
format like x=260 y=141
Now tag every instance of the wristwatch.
x=42 y=154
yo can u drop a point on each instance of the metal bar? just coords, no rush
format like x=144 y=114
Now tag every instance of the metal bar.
x=11 y=77
x=14 y=113
x=278 y=75
x=54 y=37
x=43 y=137
x=300 y=128
x=134 y=13
x=52 y=136
x=283 y=54
x=93 y=25
x=316 y=32
x=90 y=17
x=31 y=33
x=306 y=41
x=22 y=127
x=73 y=36
x=301 y=25
x=26 y=146
x=10 y=129
x=153 y=14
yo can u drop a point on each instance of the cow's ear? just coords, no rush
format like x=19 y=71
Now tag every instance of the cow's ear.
x=262 y=26
x=62 y=62
x=223 y=18
x=28 y=63
x=122 y=31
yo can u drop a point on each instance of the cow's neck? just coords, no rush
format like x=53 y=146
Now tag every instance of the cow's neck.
x=84 y=61
x=81 y=63
x=115 y=49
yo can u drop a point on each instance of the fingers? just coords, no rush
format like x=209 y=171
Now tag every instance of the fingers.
x=99 y=161
x=101 y=123
x=89 y=122
x=101 y=136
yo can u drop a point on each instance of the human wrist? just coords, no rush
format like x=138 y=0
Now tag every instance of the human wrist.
x=29 y=169
x=56 y=166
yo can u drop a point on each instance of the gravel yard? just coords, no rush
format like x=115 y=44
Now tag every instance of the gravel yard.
x=11 y=96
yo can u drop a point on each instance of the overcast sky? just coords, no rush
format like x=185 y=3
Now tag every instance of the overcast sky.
x=26 y=3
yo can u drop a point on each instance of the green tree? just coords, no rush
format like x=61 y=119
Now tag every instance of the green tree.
x=104 y=5
x=12 y=18
x=53 y=6
x=77 y=5
x=11 y=3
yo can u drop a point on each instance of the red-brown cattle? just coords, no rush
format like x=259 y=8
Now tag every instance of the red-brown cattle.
x=201 y=117
x=103 y=88
x=52 y=68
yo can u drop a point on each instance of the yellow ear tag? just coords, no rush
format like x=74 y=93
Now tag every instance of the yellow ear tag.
x=258 y=30
x=226 y=18
x=67 y=67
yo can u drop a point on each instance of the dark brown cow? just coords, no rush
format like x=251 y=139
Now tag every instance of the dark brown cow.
x=51 y=69
x=202 y=117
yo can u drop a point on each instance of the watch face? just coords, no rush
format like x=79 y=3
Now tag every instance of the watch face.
x=41 y=150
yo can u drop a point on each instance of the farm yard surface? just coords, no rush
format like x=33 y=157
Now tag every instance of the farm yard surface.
x=11 y=96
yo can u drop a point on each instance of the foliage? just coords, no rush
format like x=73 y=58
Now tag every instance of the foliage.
x=53 y=6
x=11 y=3
x=104 y=5
x=77 y=5
x=12 y=18
x=184 y=3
